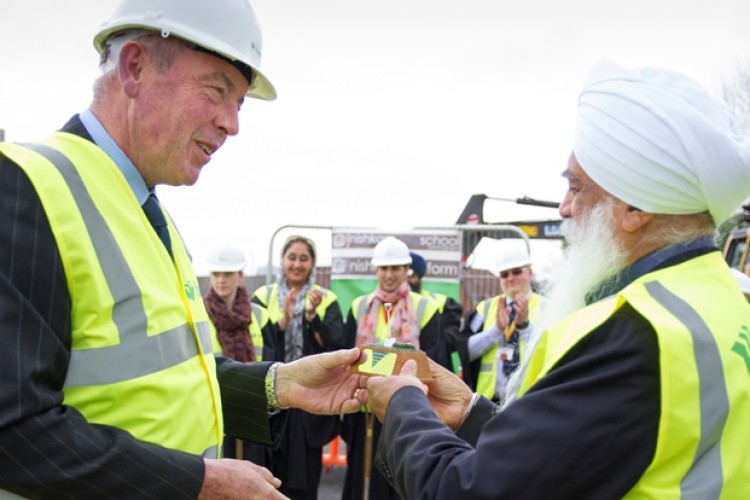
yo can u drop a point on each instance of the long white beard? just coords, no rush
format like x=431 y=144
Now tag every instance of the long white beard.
x=592 y=259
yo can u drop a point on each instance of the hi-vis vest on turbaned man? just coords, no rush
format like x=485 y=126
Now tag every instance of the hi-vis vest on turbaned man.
x=141 y=356
x=704 y=359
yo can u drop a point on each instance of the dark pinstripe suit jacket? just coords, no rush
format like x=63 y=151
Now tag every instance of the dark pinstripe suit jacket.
x=47 y=449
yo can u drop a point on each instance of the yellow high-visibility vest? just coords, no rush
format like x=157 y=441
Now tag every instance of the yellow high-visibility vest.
x=268 y=295
x=487 y=378
x=439 y=298
x=254 y=329
x=702 y=323
x=141 y=355
x=424 y=307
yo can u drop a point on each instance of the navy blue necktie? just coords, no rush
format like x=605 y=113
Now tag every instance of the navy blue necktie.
x=510 y=365
x=156 y=217
x=512 y=315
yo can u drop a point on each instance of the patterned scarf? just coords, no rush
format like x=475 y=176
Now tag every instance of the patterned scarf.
x=294 y=334
x=232 y=324
x=404 y=324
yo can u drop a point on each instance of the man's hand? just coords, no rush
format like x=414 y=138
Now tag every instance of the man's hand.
x=320 y=384
x=446 y=393
x=502 y=317
x=522 y=309
x=379 y=390
x=229 y=479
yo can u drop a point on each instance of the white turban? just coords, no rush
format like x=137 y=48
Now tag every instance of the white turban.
x=659 y=142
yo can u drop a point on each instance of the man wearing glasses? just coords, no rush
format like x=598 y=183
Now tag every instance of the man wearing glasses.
x=499 y=325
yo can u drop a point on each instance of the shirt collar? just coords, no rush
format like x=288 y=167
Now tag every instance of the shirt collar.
x=102 y=139
x=664 y=257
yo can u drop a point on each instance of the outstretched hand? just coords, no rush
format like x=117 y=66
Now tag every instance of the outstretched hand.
x=379 y=390
x=320 y=384
x=447 y=394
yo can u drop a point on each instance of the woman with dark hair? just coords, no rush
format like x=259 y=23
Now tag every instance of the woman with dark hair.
x=309 y=321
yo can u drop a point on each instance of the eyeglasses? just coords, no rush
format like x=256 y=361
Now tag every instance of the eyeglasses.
x=514 y=272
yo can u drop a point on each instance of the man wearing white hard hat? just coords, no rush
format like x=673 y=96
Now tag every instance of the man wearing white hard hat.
x=499 y=325
x=111 y=388
x=392 y=311
x=639 y=387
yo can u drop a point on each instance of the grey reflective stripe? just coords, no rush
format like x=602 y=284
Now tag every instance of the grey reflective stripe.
x=362 y=306
x=128 y=313
x=204 y=335
x=212 y=452
x=705 y=477
x=486 y=308
x=129 y=360
x=486 y=367
x=137 y=354
x=256 y=309
x=421 y=307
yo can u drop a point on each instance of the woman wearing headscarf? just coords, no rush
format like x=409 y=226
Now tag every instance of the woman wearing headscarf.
x=413 y=319
x=309 y=321
x=241 y=330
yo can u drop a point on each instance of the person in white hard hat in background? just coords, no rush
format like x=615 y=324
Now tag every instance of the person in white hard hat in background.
x=639 y=385
x=240 y=329
x=414 y=319
x=450 y=310
x=110 y=386
x=307 y=320
x=743 y=281
x=497 y=328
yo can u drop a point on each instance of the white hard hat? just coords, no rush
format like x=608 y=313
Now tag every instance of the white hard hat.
x=226 y=27
x=226 y=256
x=512 y=257
x=743 y=280
x=391 y=251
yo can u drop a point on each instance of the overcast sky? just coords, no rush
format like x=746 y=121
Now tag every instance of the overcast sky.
x=391 y=113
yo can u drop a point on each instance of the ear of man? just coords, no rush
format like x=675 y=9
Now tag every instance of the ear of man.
x=130 y=68
x=634 y=220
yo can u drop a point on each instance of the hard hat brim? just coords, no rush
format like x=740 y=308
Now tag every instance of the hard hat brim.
x=513 y=265
x=225 y=269
x=259 y=88
x=390 y=262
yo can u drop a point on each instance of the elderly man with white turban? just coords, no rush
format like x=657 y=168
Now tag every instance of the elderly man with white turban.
x=639 y=386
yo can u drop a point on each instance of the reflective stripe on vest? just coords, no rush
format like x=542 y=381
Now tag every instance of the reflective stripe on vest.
x=422 y=303
x=137 y=354
x=701 y=450
x=714 y=404
x=118 y=352
x=256 y=329
x=439 y=298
